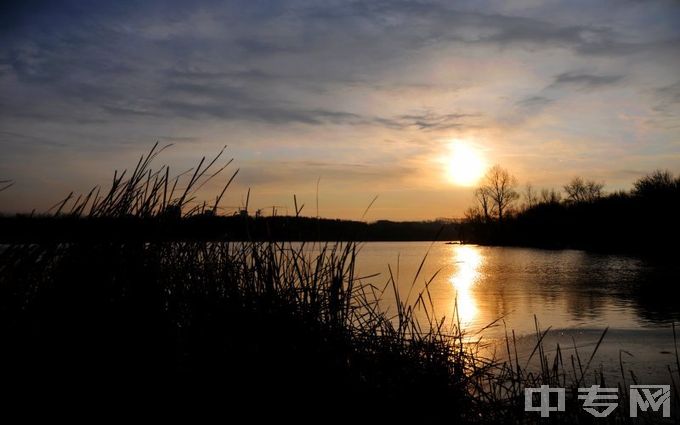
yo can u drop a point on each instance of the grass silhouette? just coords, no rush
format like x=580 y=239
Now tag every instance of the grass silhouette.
x=262 y=328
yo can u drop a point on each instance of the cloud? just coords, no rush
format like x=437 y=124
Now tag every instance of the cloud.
x=534 y=102
x=564 y=81
x=428 y=121
x=668 y=97
x=585 y=81
x=268 y=114
x=9 y=138
x=267 y=62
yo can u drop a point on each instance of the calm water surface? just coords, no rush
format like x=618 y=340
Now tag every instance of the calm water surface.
x=574 y=293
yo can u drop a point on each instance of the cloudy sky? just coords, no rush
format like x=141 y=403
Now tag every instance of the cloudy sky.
x=365 y=98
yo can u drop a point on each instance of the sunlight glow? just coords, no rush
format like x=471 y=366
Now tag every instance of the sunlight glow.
x=467 y=260
x=465 y=165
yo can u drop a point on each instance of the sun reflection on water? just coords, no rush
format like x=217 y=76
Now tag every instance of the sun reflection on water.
x=467 y=260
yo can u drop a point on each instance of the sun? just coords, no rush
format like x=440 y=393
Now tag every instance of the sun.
x=465 y=164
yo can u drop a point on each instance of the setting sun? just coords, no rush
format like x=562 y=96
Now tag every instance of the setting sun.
x=465 y=165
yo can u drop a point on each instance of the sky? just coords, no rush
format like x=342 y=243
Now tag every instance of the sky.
x=357 y=99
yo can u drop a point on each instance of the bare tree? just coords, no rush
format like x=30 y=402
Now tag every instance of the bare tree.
x=485 y=203
x=530 y=197
x=550 y=196
x=579 y=190
x=659 y=182
x=474 y=215
x=500 y=186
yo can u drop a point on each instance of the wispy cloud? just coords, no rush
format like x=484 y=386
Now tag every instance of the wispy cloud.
x=534 y=101
x=668 y=97
x=585 y=81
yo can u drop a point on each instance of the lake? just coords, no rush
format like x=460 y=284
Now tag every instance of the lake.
x=577 y=294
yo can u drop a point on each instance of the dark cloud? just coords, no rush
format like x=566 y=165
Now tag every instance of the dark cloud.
x=268 y=114
x=284 y=115
x=587 y=81
x=412 y=25
x=534 y=102
x=566 y=81
x=668 y=98
x=261 y=61
x=428 y=121
x=10 y=138
x=193 y=73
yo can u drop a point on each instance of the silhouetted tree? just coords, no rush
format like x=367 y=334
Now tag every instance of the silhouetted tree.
x=473 y=215
x=500 y=186
x=657 y=183
x=483 y=196
x=579 y=190
x=550 y=196
x=530 y=197
x=641 y=220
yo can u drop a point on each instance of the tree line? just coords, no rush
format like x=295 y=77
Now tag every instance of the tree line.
x=578 y=215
